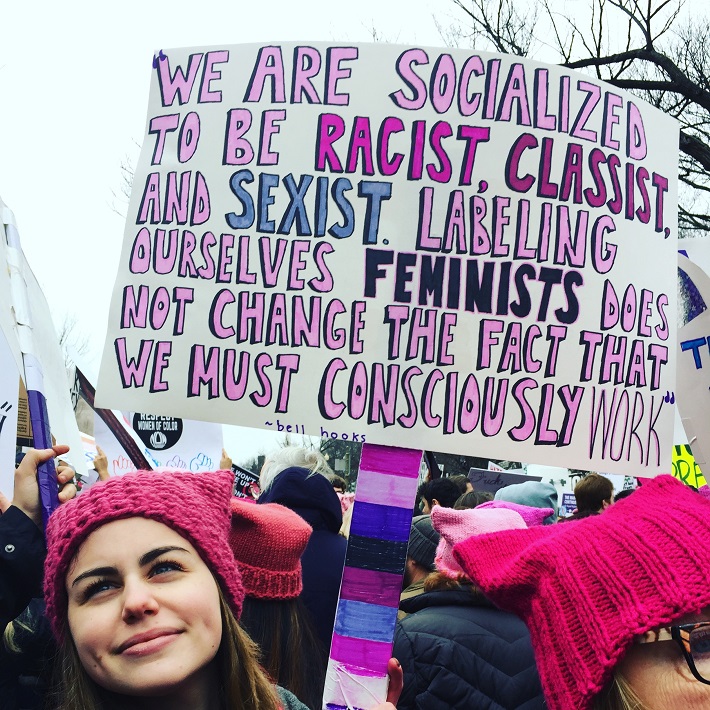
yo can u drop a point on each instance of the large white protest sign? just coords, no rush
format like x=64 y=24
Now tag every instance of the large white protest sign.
x=431 y=248
x=26 y=322
x=9 y=390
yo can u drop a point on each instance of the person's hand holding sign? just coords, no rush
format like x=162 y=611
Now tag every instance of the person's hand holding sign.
x=394 y=690
x=26 y=494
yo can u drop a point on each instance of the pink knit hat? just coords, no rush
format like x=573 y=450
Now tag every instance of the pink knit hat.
x=194 y=505
x=268 y=541
x=586 y=589
x=531 y=516
x=457 y=525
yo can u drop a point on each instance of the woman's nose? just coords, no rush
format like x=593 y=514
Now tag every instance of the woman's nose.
x=138 y=600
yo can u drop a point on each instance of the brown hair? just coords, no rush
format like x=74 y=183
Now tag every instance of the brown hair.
x=592 y=491
x=472 y=499
x=243 y=683
x=291 y=652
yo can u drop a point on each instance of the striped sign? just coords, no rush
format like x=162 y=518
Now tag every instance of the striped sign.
x=372 y=578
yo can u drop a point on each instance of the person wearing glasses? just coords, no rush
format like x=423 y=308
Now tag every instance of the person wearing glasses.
x=618 y=605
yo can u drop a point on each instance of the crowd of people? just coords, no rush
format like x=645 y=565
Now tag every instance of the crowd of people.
x=162 y=590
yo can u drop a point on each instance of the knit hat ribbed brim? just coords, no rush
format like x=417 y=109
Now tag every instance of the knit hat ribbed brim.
x=268 y=541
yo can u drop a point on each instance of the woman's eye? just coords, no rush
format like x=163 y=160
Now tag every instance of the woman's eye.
x=165 y=567
x=97 y=587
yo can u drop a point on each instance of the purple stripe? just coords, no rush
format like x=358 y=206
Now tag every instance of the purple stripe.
x=384 y=522
x=391 y=460
x=364 y=658
x=42 y=439
x=385 y=489
x=366 y=585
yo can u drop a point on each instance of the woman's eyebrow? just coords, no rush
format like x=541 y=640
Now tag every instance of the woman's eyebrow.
x=144 y=560
x=95 y=572
x=151 y=555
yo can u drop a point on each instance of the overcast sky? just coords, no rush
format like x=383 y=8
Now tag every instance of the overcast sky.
x=74 y=80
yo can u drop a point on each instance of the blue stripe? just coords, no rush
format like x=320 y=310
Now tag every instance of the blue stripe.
x=385 y=522
x=365 y=621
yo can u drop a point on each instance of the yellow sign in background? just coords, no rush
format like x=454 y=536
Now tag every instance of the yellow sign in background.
x=685 y=468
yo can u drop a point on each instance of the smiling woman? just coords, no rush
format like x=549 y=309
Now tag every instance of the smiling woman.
x=143 y=595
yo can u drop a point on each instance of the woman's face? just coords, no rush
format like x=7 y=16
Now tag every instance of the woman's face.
x=660 y=677
x=144 y=610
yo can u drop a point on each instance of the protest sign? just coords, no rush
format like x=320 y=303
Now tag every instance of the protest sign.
x=24 y=424
x=9 y=389
x=491 y=481
x=27 y=326
x=693 y=378
x=435 y=248
x=166 y=442
x=685 y=467
x=110 y=426
x=567 y=506
x=179 y=443
x=246 y=483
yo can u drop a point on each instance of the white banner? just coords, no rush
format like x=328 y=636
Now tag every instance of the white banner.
x=167 y=442
x=26 y=322
x=431 y=248
x=9 y=391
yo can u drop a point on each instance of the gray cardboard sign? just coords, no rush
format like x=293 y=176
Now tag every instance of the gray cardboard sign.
x=483 y=480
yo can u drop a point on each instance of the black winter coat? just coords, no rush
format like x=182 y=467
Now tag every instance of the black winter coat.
x=459 y=652
x=22 y=553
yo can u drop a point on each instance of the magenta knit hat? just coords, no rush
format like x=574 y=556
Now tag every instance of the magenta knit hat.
x=194 y=505
x=587 y=588
x=457 y=525
x=532 y=516
x=268 y=541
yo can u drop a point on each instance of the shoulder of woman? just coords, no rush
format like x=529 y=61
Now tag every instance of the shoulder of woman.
x=289 y=700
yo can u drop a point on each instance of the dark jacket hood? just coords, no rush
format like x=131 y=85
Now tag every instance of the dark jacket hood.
x=309 y=494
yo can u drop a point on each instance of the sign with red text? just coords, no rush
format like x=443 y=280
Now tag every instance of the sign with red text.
x=431 y=248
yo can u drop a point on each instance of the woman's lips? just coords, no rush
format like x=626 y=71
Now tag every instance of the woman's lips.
x=147 y=643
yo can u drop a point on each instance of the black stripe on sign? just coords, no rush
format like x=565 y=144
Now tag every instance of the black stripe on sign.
x=374 y=554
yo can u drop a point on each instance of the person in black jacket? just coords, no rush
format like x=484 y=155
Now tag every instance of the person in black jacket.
x=304 y=489
x=22 y=547
x=25 y=644
x=457 y=650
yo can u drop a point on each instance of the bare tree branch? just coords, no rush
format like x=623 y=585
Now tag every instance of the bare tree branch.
x=637 y=45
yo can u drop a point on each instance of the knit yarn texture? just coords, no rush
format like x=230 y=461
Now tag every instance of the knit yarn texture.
x=197 y=506
x=423 y=540
x=268 y=541
x=587 y=588
x=532 y=516
x=456 y=525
